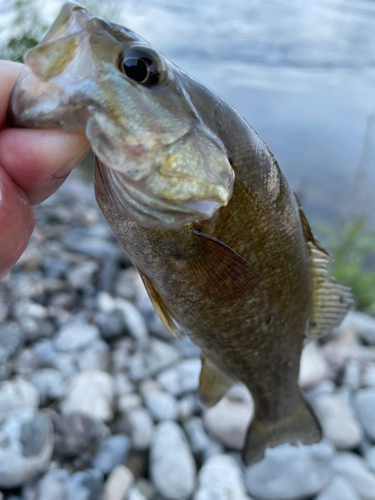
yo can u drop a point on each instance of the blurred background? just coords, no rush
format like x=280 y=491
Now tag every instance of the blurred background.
x=78 y=336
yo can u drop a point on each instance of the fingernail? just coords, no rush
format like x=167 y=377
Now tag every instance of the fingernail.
x=65 y=171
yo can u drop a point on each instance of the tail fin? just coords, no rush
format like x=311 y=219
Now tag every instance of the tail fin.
x=300 y=426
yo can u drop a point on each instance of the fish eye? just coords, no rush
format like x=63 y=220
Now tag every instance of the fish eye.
x=140 y=66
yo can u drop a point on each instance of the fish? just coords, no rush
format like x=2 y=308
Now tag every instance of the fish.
x=202 y=209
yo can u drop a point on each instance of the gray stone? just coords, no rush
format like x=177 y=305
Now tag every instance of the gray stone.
x=352 y=375
x=118 y=483
x=188 y=405
x=142 y=428
x=90 y=393
x=52 y=485
x=162 y=406
x=370 y=457
x=314 y=367
x=156 y=356
x=368 y=376
x=65 y=363
x=221 y=479
x=11 y=339
x=75 y=336
x=199 y=441
x=229 y=419
x=86 y=485
x=112 y=452
x=338 y=489
x=17 y=394
x=26 y=438
x=82 y=274
x=110 y=324
x=50 y=384
x=182 y=377
x=362 y=324
x=129 y=402
x=172 y=466
x=291 y=472
x=133 y=320
x=142 y=490
x=355 y=470
x=338 y=420
x=365 y=405
x=95 y=357
x=27 y=362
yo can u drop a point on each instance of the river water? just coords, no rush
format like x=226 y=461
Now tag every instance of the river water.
x=301 y=73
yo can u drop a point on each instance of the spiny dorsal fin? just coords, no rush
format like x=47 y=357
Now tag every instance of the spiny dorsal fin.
x=219 y=271
x=331 y=301
x=213 y=383
x=160 y=307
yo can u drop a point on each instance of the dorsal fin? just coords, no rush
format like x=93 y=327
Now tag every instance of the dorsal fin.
x=160 y=307
x=219 y=271
x=213 y=383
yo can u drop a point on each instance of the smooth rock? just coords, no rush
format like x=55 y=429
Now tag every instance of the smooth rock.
x=338 y=489
x=352 y=375
x=199 y=441
x=172 y=466
x=291 y=472
x=11 y=339
x=110 y=324
x=26 y=438
x=50 y=384
x=368 y=376
x=156 y=356
x=354 y=469
x=182 y=377
x=112 y=452
x=86 y=485
x=229 y=419
x=95 y=357
x=133 y=320
x=17 y=394
x=75 y=336
x=142 y=428
x=370 y=458
x=51 y=486
x=142 y=490
x=91 y=393
x=221 y=478
x=118 y=484
x=365 y=405
x=364 y=325
x=82 y=274
x=314 y=367
x=162 y=406
x=129 y=402
x=338 y=420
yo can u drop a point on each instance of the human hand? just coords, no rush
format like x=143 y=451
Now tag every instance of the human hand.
x=33 y=165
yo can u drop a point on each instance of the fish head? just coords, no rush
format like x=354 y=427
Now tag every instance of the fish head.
x=160 y=163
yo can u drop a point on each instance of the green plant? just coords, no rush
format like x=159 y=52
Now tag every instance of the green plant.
x=353 y=249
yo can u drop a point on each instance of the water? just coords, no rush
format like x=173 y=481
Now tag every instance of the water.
x=301 y=73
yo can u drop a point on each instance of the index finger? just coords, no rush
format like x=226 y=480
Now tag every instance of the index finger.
x=9 y=72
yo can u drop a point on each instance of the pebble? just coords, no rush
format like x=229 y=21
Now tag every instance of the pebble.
x=26 y=438
x=87 y=485
x=370 y=457
x=17 y=394
x=339 y=489
x=309 y=466
x=221 y=478
x=51 y=486
x=11 y=340
x=142 y=428
x=365 y=405
x=129 y=402
x=110 y=324
x=338 y=420
x=229 y=419
x=112 y=452
x=355 y=470
x=156 y=356
x=142 y=490
x=75 y=336
x=118 y=484
x=368 y=376
x=172 y=466
x=182 y=377
x=199 y=441
x=50 y=384
x=363 y=324
x=162 y=406
x=314 y=367
x=82 y=274
x=95 y=357
x=90 y=393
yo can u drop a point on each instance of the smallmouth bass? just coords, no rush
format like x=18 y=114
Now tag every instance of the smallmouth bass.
x=202 y=209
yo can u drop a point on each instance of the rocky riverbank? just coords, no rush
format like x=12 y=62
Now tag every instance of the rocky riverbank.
x=99 y=402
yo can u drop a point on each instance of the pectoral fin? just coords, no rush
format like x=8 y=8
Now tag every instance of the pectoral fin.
x=160 y=307
x=220 y=272
x=213 y=383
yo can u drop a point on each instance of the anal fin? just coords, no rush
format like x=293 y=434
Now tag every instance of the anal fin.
x=213 y=383
x=160 y=308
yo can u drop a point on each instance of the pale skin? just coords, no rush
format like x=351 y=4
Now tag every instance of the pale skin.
x=33 y=165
